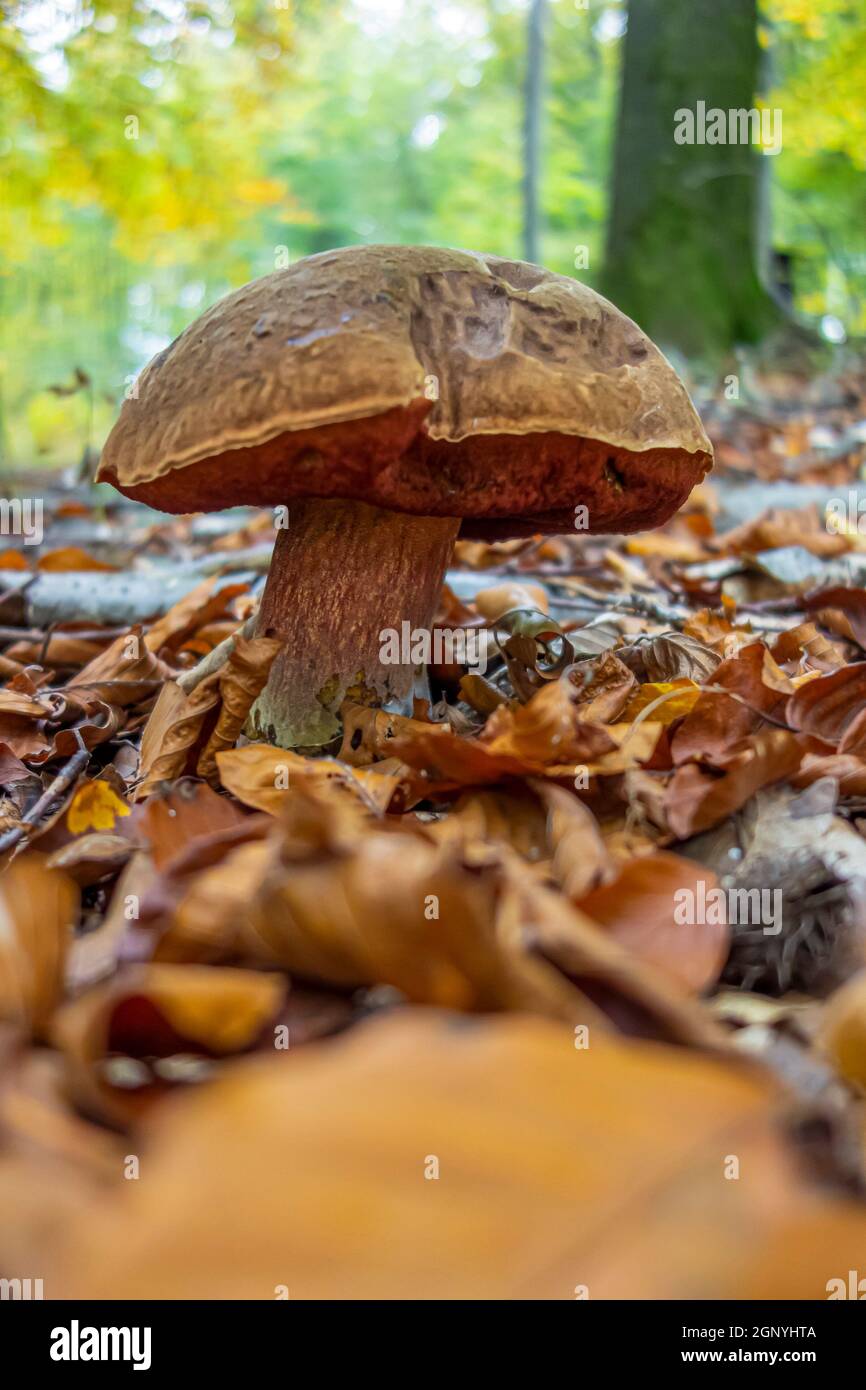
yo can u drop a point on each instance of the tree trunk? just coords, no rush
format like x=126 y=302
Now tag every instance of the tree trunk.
x=683 y=244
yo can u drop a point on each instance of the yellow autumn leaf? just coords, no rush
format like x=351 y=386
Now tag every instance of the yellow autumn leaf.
x=94 y=807
x=676 y=698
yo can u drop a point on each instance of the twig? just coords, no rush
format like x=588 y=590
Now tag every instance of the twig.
x=77 y=763
x=625 y=603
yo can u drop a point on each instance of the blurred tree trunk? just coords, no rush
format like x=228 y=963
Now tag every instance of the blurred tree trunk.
x=533 y=105
x=683 y=236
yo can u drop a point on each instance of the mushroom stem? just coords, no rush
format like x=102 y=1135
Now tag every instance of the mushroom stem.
x=342 y=578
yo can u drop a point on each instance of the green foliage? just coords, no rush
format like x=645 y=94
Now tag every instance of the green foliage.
x=159 y=152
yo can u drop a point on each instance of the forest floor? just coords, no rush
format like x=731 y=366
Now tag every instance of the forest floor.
x=632 y=850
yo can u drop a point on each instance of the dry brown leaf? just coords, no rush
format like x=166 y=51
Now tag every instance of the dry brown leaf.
x=607 y=692
x=579 y=859
x=262 y=776
x=697 y=799
x=851 y=602
x=91 y=857
x=779 y=527
x=368 y=733
x=171 y=822
x=158 y=1011
x=718 y=721
x=37 y=915
x=805 y=644
x=843 y=1030
x=70 y=558
x=241 y=681
x=671 y=656
x=517 y=741
x=208 y=601
x=398 y=910
x=639 y=910
x=828 y=705
x=173 y=734
x=95 y=955
x=209 y=923
x=514 y=817
x=125 y=672
x=563 y=1173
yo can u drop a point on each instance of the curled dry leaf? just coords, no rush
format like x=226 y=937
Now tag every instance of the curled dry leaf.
x=37 y=915
x=310 y=1157
x=185 y=732
x=261 y=776
x=241 y=681
x=173 y=733
x=828 y=705
x=851 y=602
x=157 y=1011
x=672 y=656
x=607 y=690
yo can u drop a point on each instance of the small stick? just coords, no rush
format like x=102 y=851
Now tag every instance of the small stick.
x=77 y=763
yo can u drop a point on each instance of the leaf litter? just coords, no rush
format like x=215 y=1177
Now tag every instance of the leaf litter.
x=573 y=933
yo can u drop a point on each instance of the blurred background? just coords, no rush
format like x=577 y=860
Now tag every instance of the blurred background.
x=157 y=154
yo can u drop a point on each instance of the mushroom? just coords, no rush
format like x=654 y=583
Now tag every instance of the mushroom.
x=385 y=398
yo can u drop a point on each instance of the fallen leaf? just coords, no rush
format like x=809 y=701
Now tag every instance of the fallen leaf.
x=37 y=915
x=614 y=1181
x=241 y=681
x=640 y=909
x=828 y=705
x=697 y=799
x=95 y=806
x=70 y=558
x=843 y=1030
x=157 y=1011
x=675 y=699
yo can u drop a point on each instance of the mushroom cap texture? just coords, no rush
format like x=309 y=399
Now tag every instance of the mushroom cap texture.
x=421 y=379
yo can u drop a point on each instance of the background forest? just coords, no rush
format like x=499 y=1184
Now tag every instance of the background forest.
x=156 y=154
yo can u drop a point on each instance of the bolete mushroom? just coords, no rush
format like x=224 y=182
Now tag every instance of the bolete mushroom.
x=390 y=397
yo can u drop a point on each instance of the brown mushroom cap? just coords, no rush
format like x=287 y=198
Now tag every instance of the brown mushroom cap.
x=421 y=380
